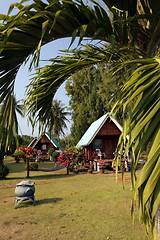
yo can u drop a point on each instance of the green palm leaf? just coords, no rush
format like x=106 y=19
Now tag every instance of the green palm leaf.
x=143 y=129
x=9 y=124
x=44 y=85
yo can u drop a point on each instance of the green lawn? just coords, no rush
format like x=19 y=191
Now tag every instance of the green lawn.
x=77 y=206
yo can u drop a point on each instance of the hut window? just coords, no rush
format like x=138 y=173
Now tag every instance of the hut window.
x=97 y=143
x=44 y=147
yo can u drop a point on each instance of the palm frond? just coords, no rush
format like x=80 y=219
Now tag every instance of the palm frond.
x=142 y=127
x=48 y=79
x=9 y=124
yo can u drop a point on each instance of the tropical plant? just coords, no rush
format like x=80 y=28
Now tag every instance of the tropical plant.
x=73 y=158
x=53 y=154
x=4 y=170
x=24 y=140
x=51 y=151
x=67 y=142
x=131 y=31
x=57 y=118
x=18 y=154
x=8 y=127
x=142 y=127
x=28 y=151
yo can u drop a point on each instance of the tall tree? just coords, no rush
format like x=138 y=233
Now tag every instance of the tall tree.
x=131 y=30
x=9 y=125
x=58 y=118
x=24 y=140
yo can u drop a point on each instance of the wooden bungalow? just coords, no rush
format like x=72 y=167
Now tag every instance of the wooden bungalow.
x=43 y=143
x=100 y=140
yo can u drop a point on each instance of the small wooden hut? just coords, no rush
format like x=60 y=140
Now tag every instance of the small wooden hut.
x=100 y=140
x=44 y=142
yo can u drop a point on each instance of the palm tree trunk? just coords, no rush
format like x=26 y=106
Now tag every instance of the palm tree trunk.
x=1 y=158
x=157 y=222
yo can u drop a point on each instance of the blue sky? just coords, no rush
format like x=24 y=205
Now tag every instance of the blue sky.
x=23 y=76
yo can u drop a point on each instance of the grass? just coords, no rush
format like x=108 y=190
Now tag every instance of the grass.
x=69 y=207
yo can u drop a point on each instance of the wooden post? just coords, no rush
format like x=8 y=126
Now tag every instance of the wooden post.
x=67 y=169
x=27 y=167
x=68 y=164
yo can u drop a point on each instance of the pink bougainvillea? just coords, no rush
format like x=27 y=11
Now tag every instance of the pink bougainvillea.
x=26 y=150
x=73 y=157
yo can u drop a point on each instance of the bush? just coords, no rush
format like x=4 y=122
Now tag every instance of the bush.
x=18 y=154
x=3 y=171
x=55 y=156
x=51 y=151
x=73 y=158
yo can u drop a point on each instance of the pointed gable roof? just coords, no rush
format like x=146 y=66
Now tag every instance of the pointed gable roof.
x=94 y=129
x=54 y=141
x=32 y=142
x=51 y=138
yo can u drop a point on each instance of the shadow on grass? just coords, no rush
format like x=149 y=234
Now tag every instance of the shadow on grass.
x=52 y=176
x=42 y=177
x=29 y=203
x=48 y=200
x=21 y=167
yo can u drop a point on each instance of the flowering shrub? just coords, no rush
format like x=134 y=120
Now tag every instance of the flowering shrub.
x=23 y=152
x=28 y=151
x=18 y=154
x=73 y=158
x=21 y=148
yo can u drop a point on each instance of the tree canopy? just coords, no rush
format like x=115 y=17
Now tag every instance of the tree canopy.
x=9 y=124
x=57 y=121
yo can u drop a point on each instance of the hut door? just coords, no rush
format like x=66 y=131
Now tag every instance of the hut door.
x=110 y=146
